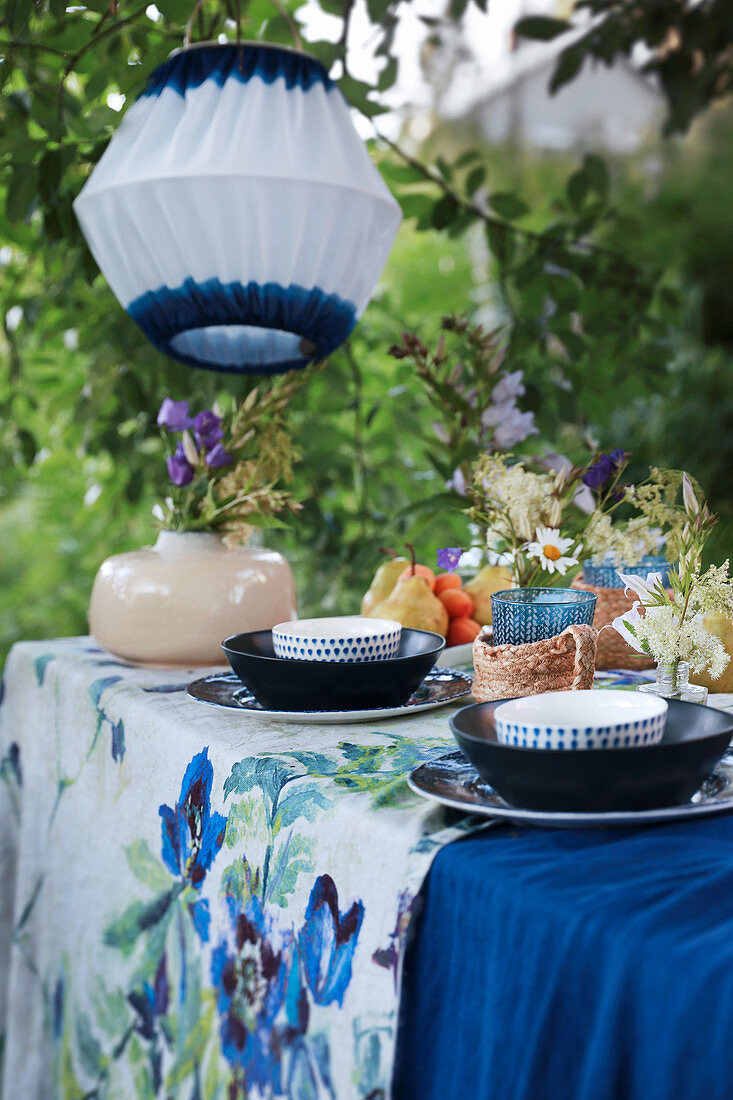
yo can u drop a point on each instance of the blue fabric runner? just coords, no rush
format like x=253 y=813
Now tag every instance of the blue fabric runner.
x=574 y=965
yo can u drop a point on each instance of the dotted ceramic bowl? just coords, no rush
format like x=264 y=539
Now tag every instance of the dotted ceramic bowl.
x=600 y=719
x=344 y=640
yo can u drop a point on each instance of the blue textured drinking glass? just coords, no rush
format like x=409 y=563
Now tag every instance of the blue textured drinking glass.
x=531 y=614
x=654 y=563
x=606 y=575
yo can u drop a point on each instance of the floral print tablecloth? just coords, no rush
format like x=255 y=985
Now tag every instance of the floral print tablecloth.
x=197 y=904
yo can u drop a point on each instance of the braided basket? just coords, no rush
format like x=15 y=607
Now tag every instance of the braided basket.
x=563 y=663
x=613 y=651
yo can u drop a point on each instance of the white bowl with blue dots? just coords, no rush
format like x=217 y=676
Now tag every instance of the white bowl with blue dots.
x=596 y=719
x=345 y=639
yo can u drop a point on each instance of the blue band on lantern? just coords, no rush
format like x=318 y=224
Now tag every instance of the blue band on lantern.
x=238 y=318
x=189 y=68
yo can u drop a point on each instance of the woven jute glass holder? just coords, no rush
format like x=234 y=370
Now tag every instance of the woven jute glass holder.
x=613 y=651
x=563 y=663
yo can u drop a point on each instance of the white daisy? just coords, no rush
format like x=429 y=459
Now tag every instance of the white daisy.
x=550 y=549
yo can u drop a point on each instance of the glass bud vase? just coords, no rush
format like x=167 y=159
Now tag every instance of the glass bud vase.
x=673 y=682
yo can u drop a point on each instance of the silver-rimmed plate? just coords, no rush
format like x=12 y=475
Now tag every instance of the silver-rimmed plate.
x=452 y=781
x=225 y=690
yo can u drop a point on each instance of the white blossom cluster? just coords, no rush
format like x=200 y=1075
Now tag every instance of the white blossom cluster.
x=621 y=543
x=517 y=501
x=663 y=637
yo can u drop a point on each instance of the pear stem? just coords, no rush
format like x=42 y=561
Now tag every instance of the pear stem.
x=413 y=558
x=386 y=550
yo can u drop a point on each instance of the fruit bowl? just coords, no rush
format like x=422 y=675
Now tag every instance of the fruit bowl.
x=284 y=684
x=639 y=778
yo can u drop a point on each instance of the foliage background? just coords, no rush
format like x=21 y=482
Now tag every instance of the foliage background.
x=486 y=232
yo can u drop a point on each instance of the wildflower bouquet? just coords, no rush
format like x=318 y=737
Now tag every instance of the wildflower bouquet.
x=671 y=628
x=524 y=516
x=227 y=467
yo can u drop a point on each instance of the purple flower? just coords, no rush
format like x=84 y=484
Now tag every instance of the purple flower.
x=173 y=415
x=217 y=457
x=596 y=476
x=449 y=557
x=207 y=426
x=180 y=471
x=618 y=456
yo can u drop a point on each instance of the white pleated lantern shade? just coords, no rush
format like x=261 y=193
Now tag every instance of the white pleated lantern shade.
x=236 y=214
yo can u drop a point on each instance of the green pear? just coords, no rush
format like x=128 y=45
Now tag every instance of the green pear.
x=721 y=628
x=412 y=603
x=384 y=581
x=492 y=578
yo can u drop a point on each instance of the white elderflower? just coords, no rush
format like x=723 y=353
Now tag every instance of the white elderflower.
x=551 y=550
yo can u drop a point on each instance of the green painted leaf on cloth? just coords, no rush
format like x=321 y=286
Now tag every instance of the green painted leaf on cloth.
x=137 y=918
x=146 y=867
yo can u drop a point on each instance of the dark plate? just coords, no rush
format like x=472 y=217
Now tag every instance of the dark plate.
x=282 y=684
x=453 y=781
x=598 y=780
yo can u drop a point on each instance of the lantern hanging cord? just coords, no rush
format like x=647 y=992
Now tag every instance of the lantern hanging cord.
x=282 y=10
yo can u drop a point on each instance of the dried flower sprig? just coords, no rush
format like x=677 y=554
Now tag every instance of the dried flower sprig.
x=671 y=628
x=474 y=397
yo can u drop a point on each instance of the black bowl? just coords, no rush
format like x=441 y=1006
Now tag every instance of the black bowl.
x=279 y=683
x=588 y=780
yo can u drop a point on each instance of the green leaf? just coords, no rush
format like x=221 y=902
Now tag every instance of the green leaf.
x=444 y=168
x=507 y=205
x=303 y=802
x=388 y=75
x=541 y=27
x=146 y=867
x=137 y=918
x=576 y=189
x=475 y=179
x=568 y=64
x=22 y=190
x=467 y=158
x=90 y=1052
x=444 y=212
x=501 y=242
x=356 y=92
x=596 y=172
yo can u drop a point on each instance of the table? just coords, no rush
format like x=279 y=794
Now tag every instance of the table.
x=199 y=906
x=203 y=908
x=590 y=965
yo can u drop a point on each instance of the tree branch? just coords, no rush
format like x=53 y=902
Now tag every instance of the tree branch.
x=480 y=212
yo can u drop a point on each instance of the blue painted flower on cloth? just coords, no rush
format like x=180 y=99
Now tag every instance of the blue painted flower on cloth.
x=251 y=980
x=191 y=834
x=327 y=942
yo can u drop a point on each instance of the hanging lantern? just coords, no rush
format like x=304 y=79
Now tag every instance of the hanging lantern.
x=236 y=214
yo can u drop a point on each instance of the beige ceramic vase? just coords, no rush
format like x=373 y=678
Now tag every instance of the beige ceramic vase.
x=173 y=604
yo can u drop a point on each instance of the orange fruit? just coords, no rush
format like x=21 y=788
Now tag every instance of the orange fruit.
x=446 y=581
x=421 y=571
x=458 y=604
x=462 y=631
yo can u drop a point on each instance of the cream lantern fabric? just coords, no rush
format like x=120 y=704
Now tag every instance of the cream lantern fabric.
x=236 y=214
